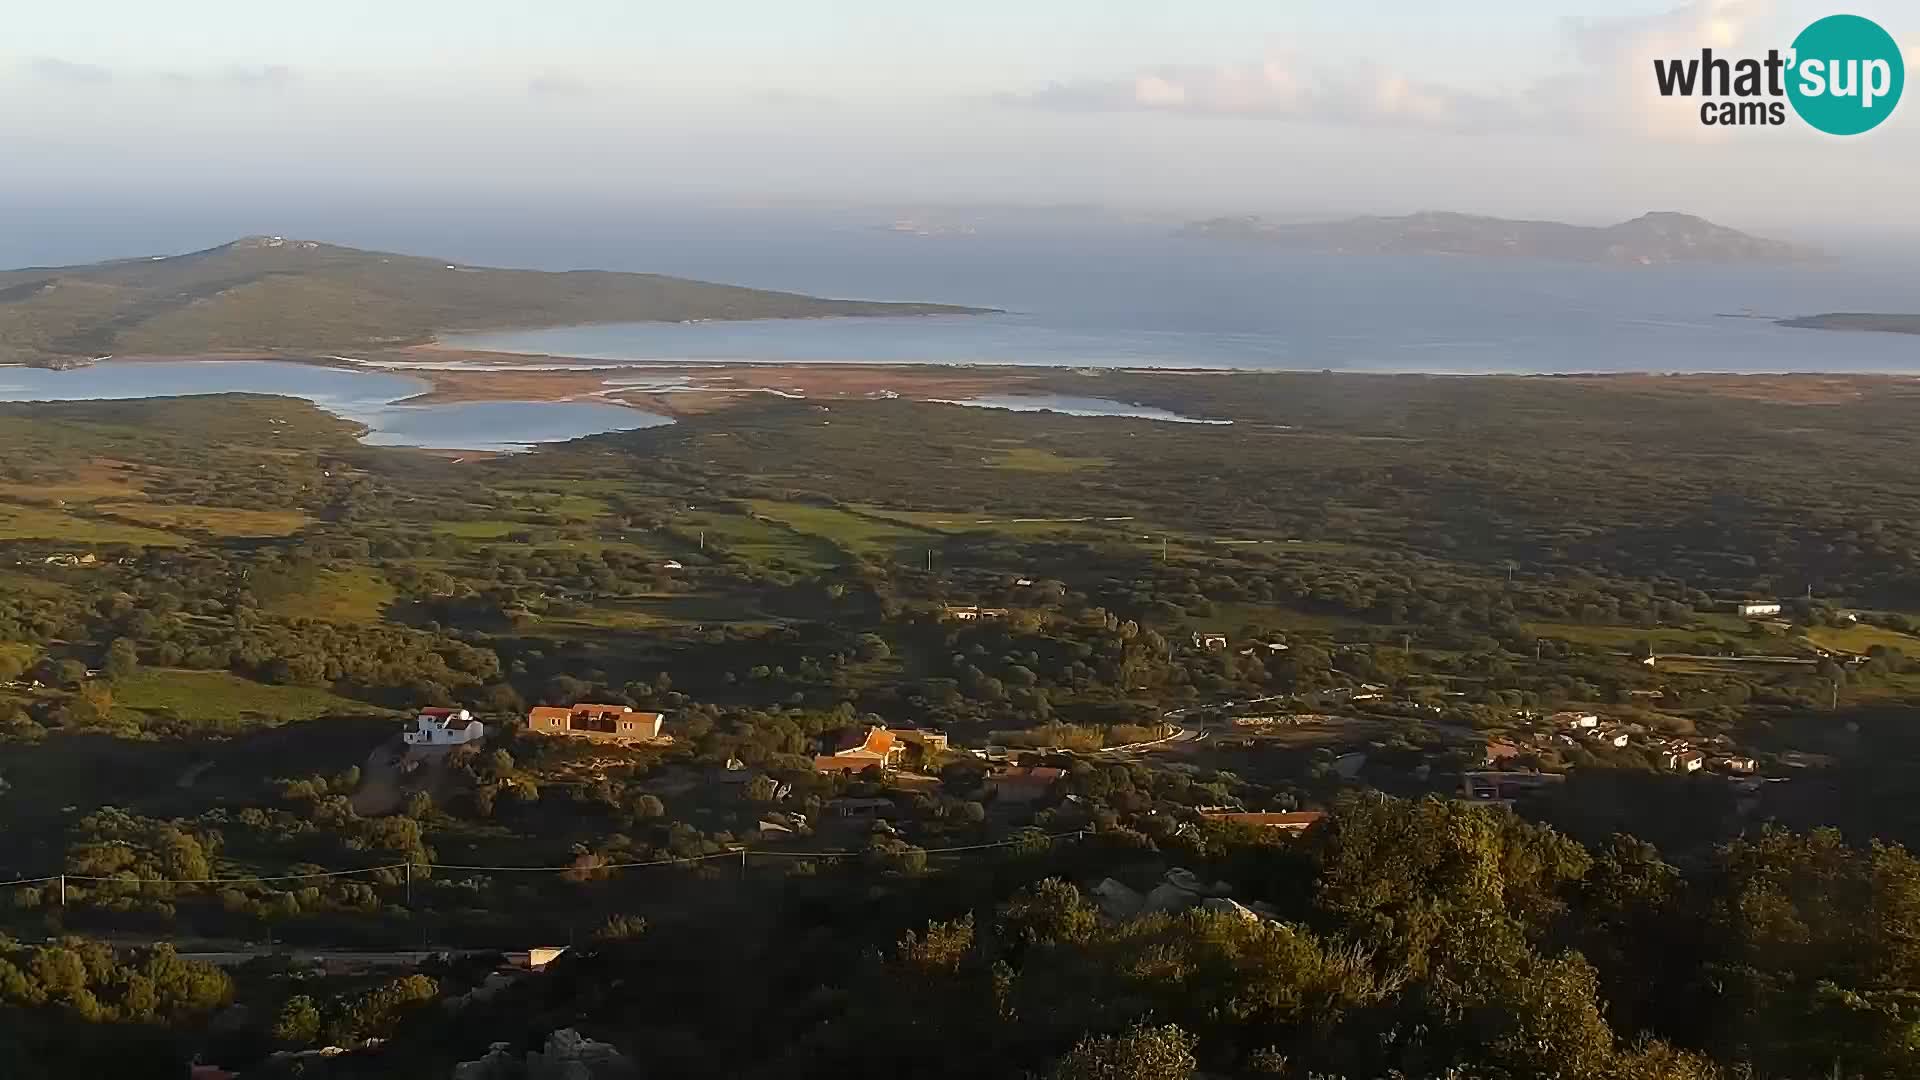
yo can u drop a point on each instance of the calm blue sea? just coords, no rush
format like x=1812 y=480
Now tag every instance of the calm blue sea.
x=1127 y=294
x=1080 y=288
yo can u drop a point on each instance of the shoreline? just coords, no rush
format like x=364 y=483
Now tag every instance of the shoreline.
x=686 y=388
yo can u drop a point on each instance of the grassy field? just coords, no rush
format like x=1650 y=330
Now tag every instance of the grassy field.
x=856 y=534
x=766 y=543
x=356 y=595
x=211 y=520
x=1667 y=639
x=39 y=523
x=221 y=698
x=947 y=521
x=1860 y=637
x=651 y=612
x=89 y=482
x=26 y=581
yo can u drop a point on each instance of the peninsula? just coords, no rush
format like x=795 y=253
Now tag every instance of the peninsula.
x=1650 y=239
x=280 y=296
x=1876 y=322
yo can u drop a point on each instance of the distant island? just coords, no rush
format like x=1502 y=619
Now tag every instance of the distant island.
x=278 y=295
x=1857 y=320
x=1650 y=239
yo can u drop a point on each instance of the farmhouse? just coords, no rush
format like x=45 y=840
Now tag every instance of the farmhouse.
x=600 y=723
x=1209 y=641
x=1750 y=608
x=1682 y=759
x=1574 y=721
x=973 y=612
x=853 y=750
x=444 y=727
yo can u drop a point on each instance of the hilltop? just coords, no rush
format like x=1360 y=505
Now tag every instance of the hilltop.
x=1661 y=237
x=1875 y=322
x=273 y=294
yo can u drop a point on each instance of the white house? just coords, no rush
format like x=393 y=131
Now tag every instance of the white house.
x=445 y=727
x=1575 y=720
x=1748 y=608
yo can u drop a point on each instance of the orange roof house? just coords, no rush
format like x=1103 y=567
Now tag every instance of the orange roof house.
x=600 y=723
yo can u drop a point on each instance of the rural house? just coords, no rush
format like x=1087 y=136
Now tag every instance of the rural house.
x=853 y=750
x=600 y=723
x=972 y=612
x=444 y=727
x=1750 y=608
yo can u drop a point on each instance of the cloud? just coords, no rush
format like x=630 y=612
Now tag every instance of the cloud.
x=54 y=69
x=1283 y=87
x=1607 y=83
x=258 y=76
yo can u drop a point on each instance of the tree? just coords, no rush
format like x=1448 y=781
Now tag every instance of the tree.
x=298 y=1022
x=1139 y=1053
x=122 y=660
x=69 y=673
x=649 y=806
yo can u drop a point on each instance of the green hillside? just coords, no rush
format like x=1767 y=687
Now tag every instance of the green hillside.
x=279 y=295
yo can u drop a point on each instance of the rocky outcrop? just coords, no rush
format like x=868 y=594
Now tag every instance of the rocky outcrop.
x=568 y=1055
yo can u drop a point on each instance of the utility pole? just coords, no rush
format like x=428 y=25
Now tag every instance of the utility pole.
x=1406 y=645
x=63 y=890
x=409 y=882
x=703 y=539
x=1163 y=550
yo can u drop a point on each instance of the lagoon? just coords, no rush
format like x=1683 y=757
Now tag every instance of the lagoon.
x=1073 y=405
x=377 y=400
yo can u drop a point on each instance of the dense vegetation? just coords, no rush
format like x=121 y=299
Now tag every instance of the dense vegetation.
x=216 y=613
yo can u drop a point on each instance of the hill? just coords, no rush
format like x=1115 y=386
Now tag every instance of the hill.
x=279 y=295
x=1857 y=320
x=1649 y=239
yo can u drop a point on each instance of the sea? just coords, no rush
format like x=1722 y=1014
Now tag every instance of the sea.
x=1073 y=288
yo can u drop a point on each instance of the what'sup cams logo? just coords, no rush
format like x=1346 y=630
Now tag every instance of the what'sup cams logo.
x=1842 y=76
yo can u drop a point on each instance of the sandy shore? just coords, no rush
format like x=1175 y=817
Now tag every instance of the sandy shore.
x=681 y=389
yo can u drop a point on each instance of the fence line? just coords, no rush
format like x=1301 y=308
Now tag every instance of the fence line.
x=743 y=854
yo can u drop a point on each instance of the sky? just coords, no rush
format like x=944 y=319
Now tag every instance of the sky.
x=1295 y=108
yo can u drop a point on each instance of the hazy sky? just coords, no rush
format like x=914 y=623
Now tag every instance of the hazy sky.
x=1537 y=107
